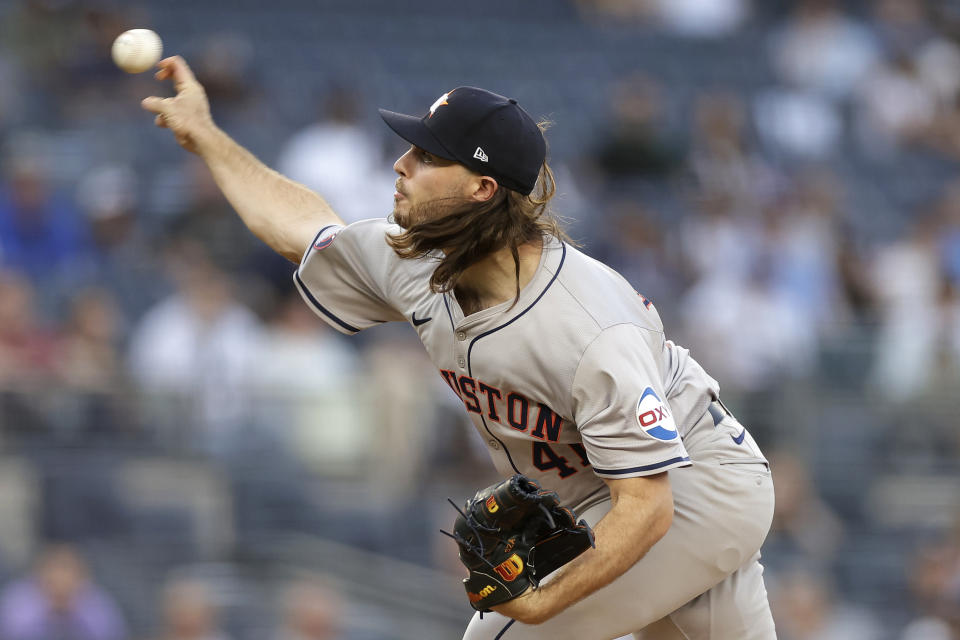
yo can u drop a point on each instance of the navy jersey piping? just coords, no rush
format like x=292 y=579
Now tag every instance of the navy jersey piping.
x=504 y=630
x=320 y=307
x=313 y=301
x=506 y=324
x=449 y=315
x=646 y=467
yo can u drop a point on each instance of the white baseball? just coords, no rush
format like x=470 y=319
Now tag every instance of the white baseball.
x=137 y=50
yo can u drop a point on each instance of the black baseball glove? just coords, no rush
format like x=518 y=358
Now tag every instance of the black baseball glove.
x=511 y=535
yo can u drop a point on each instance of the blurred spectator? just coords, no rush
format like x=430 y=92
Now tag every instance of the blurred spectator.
x=28 y=355
x=778 y=346
x=123 y=261
x=722 y=159
x=210 y=222
x=739 y=281
x=337 y=157
x=935 y=585
x=88 y=358
x=806 y=607
x=302 y=353
x=311 y=610
x=193 y=353
x=949 y=236
x=822 y=55
x=13 y=97
x=190 y=612
x=778 y=278
x=224 y=65
x=717 y=229
x=89 y=367
x=902 y=26
x=687 y=18
x=636 y=244
x=702 y=18
x=41 y=34
x=60 y=600
x=90 y=83
x=636 y=140
x=618 y=11
x=896 y=107
x=938 y=64
x=799 y=236
x=41 y=232
x=27 y=349
x=823 y=50
x=805 y=530
x=409 y=395
x=855 y=280
x=206 y=218
x=305 y=385
x=910 y=287
x=798 y=124
x=929 y=629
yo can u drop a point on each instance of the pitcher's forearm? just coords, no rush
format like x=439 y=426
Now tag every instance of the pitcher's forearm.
x=641 y=514
x=283 y=213
x=623 y=536
x=279 y=211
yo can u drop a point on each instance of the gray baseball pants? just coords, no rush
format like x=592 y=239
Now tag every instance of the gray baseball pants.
x=703 y=580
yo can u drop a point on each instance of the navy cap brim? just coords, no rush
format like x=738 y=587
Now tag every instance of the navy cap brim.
x=413 y=130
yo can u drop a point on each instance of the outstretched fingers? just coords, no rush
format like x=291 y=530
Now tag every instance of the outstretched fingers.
x=177 y=68
x=154 y=104
x=173 y=67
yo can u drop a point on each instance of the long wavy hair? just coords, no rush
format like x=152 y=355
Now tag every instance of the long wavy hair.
x=465 y=232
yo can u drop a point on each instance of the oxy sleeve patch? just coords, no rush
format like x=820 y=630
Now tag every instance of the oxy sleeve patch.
x=654 y=416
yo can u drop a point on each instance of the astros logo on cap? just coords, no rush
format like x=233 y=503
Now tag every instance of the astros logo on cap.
x=654 y=416
x=442 y=100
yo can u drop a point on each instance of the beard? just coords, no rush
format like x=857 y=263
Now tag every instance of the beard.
x=443 y=225
x=427 y=213
x=400 y=217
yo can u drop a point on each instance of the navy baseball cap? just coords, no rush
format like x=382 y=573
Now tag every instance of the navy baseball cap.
x=486 y=132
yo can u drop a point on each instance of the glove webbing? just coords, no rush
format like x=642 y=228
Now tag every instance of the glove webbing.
x=463 y=542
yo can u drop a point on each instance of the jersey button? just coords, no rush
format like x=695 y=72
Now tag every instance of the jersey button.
x=461 y=335
x=493 y=444
x=461 y=362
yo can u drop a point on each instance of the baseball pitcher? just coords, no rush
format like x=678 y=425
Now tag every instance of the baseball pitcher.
x=563 y=368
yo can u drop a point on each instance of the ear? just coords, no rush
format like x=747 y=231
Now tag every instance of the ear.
x=485 y=188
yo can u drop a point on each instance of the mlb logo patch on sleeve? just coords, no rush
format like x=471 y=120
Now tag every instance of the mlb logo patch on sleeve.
x=325 y=237
x=654 y=416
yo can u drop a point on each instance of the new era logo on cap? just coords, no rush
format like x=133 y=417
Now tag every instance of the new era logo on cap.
x=481 y=130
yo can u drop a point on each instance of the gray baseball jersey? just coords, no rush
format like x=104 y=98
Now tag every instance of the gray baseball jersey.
x=573 y=383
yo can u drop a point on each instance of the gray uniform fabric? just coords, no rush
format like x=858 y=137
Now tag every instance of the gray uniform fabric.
x=572 y=384
x=703 y=579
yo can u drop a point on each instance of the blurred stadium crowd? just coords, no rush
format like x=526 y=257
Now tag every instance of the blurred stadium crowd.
x=187 y=453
